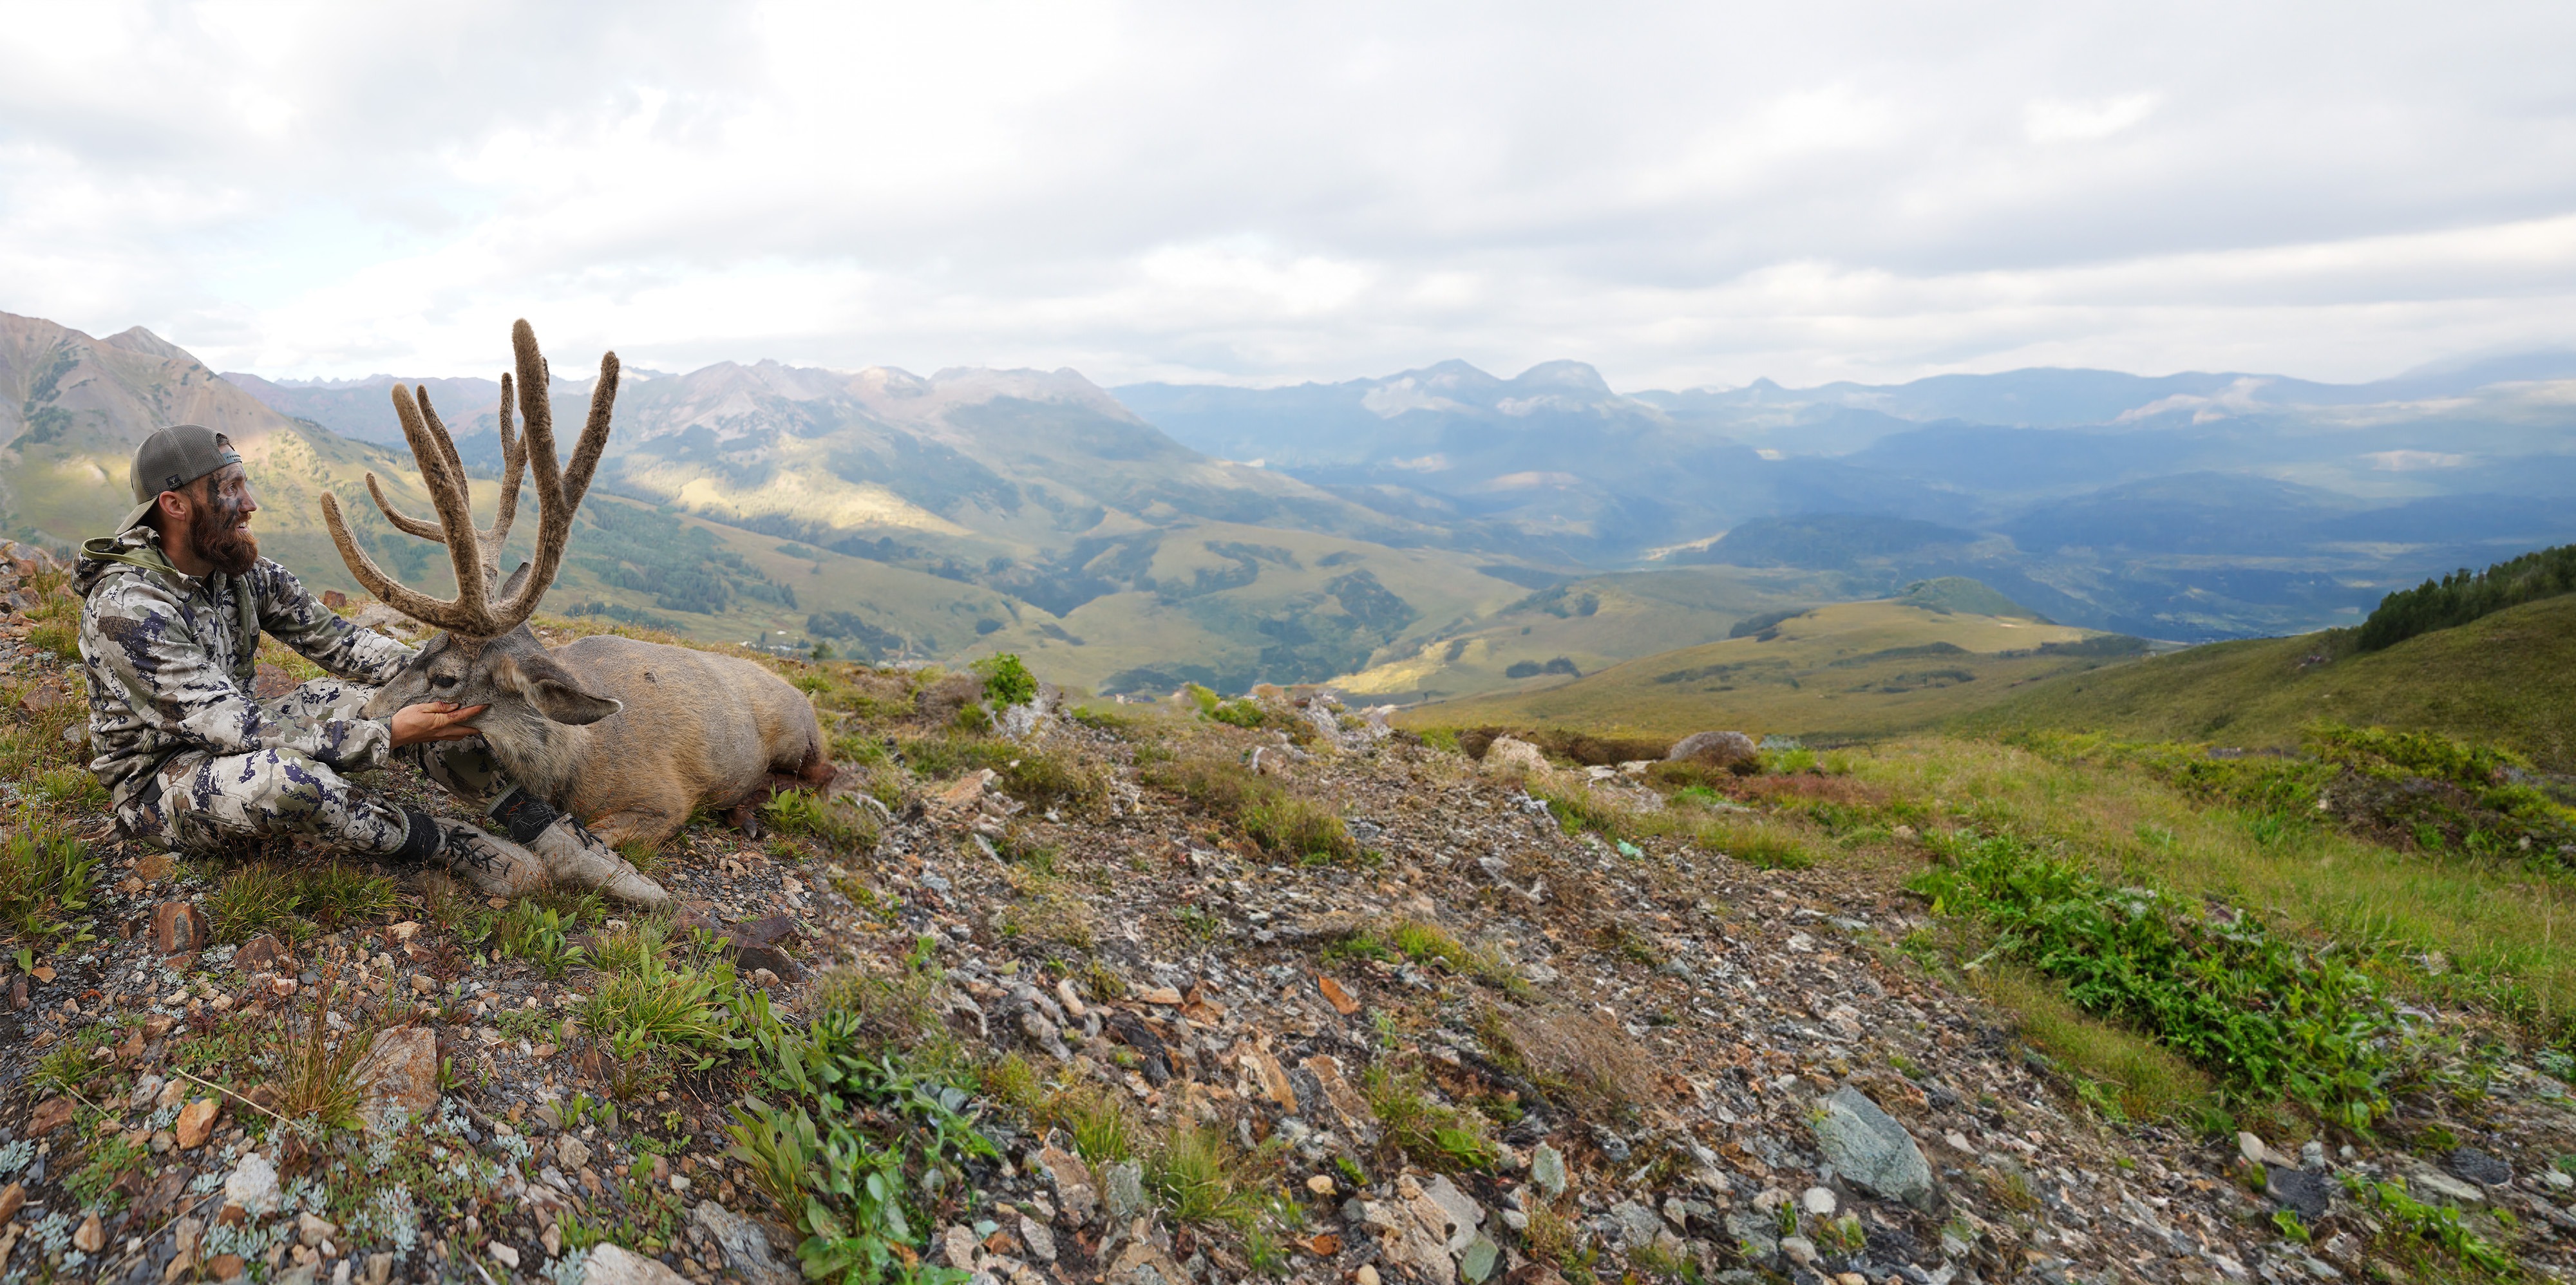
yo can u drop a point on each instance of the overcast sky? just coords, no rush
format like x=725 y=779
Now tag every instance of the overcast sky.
x=1682 y=195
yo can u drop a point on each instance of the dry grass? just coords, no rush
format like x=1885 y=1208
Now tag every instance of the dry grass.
x=1582 y=1056
x=2495 y=924
x=2140 y=1077
x=317 y=1070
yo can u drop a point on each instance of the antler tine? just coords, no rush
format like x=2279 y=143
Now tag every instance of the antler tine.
x=559 y=490
x=403 y=522
x=411 y=602
x=445 y=478
x=514 y=461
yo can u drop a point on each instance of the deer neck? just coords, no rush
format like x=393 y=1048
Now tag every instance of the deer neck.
x=541 y=755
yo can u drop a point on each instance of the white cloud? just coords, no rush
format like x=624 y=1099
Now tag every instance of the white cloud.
x=1680 y=194
x=2053 y=120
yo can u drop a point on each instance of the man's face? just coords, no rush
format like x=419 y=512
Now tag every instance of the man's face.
x=219 y=520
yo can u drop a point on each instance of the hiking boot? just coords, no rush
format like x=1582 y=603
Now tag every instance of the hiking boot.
x=494 y=865
x=572 y=856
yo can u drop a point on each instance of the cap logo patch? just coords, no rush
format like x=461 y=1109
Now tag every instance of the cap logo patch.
x=171 y=483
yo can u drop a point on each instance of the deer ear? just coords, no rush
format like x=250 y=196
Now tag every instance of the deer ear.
x=510 y=588
x=554 y=691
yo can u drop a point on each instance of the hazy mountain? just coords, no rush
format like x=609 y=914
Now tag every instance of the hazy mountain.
x=2185 y=506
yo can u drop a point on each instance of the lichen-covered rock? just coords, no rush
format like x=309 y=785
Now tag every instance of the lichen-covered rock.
x=746 y=1251
x=1872 y=1151
x=613 y=1265
x=1716 y=749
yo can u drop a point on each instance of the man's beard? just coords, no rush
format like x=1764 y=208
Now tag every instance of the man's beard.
x=216 y=536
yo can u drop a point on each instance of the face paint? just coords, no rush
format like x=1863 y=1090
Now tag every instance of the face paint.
x=221 y=533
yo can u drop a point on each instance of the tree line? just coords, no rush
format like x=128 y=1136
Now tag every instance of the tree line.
x=2464 y=595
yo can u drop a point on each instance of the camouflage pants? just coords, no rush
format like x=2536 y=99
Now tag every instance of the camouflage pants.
x=209 y=804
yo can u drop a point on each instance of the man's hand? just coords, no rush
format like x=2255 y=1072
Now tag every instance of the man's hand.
x=434 y=721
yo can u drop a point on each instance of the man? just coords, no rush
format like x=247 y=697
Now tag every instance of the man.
x=174 y=606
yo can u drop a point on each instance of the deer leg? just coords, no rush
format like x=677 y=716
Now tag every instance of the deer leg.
x=634 y=823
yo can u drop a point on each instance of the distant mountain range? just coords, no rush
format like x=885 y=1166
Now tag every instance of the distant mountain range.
x=2184 y=507
x=1441 y=529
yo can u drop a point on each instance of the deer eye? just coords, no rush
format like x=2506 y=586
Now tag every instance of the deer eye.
x=443 y=681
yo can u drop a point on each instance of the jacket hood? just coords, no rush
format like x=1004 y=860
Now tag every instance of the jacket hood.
x=138 y=545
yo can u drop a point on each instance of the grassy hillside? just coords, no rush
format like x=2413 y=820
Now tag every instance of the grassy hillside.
x=1231 y=605
x=2508 y=678
x=1589 y=624
x=1853 y=669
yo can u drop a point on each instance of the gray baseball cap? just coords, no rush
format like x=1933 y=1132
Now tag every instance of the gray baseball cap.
x=169 y=459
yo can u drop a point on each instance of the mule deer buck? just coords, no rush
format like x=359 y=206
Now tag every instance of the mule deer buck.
x=629 y=737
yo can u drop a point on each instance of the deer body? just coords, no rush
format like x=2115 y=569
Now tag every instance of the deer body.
x=630 y=737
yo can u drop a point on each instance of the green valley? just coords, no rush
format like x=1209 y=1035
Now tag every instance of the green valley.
x=1837 y=672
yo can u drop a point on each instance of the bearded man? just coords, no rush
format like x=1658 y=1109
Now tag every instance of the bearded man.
x=173 y=608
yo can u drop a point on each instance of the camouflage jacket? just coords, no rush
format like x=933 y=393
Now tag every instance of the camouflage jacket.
x=169 y=661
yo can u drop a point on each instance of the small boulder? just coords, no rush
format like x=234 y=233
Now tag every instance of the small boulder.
x=1074 y=1192
x=1635 y=1226
x=398 y=1074
x=1547 y=1169
x=2304 y=1192
x=178 y=926
x=1122 y=1189
x=1725 y=750
x=196 y=1123
x=2483 y=1168
x=1870 y=1149
x=259 y=954
x=746 y=1251
x=253 y=1186
x=49 y=1115
x=615 y=1265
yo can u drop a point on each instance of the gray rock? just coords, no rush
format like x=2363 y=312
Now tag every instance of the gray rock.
x=745 y=1249
x=1717 y=749
x=614 y=1265
x=2445 y=1187
x=253 y=1186
x=1457 y=1206
x=1872 y=1151
x=1122 y=1188
x=1040 y=1241
x=2304 y=1192
x=2480 y=1167
x=1757 y=1234
x=1635 y=1225
x=1613 y=1147
x=1547 y=1169
x=1479 y=1259
x=1074 y=1192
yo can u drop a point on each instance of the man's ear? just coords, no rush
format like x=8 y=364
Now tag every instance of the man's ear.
x=553 y=690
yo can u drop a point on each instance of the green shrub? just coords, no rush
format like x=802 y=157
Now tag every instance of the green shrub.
x=46 y=874
x=2264 y=1017
x=1241 y=712
x=1007 y=682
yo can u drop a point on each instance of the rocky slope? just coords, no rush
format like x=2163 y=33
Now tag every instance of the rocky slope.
x=1302 y=998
